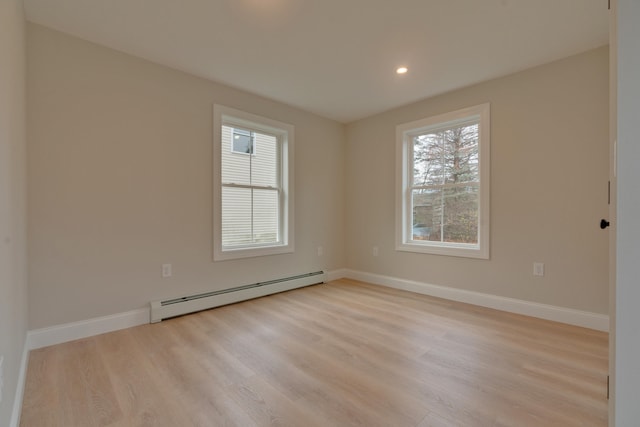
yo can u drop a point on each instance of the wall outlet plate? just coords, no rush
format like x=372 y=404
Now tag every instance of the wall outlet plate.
x=166 y=270
x=538 y=269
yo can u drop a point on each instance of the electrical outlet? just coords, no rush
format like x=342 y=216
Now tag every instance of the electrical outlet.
x=375 y=251
x=1 y=376
x=320 y=251
x=538 y=269
x=166 y=270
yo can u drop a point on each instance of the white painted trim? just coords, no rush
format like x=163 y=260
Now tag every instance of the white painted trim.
x=338 y=274
x=22 y=378
x=570 y=316
x=52 y=335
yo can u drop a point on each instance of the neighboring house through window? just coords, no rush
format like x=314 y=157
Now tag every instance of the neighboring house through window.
x=243 y=141
x=443 y=184
x=253 y=185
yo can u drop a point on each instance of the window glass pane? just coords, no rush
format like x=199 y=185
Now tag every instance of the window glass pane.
x=449 y=215
x=265 y=161
x=428 y=159
x=242 y=141
x=236 y=167
x=426 y=214
x=265 y=216
x=461 y=154
x=446 y=157
x=460 y=215
x=236 y=216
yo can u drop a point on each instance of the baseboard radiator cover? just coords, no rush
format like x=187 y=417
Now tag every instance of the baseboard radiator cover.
x=190 y=304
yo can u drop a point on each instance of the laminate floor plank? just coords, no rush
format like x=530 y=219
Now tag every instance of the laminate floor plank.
x=346 y=353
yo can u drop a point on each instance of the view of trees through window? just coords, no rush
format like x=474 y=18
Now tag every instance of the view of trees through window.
x=445 y=184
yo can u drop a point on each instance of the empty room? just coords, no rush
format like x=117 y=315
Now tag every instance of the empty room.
x=299 y=213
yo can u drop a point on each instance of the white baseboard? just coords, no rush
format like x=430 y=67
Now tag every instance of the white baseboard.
x=570 y=316
x=341 y=273
x=58 y=334
x=52 y=335
x=39 y=338
x=22 y=378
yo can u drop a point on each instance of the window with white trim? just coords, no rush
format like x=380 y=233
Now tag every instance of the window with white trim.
x=443 y=184
x=253 y=185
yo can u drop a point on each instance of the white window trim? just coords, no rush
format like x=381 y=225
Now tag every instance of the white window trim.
x=403 y=177
x=223 y=115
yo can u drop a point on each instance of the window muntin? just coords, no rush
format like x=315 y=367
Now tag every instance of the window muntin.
x=253 y=185
x=443 y=167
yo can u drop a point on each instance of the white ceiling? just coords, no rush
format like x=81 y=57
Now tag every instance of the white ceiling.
x=337 y=58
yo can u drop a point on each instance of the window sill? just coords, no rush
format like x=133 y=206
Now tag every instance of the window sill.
x=229 y=254
x=463 y=251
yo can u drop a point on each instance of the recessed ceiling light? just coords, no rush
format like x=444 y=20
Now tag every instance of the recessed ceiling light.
x=402 y=70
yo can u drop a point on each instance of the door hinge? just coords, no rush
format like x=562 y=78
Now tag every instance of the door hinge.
x=607 y=387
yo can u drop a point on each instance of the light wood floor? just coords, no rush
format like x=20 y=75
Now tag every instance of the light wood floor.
x=340 y=354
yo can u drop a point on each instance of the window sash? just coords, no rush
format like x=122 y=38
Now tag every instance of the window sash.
x=241 y=224
x=448 y=185
x=440 y=214
x=445 y=170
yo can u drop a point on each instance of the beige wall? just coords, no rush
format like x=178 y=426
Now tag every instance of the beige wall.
x=120 y=170
x=13 y=256
x=121 y=182
x=549 y=159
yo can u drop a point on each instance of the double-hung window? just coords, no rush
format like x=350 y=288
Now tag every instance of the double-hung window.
x=443 y=184
x=253 y=185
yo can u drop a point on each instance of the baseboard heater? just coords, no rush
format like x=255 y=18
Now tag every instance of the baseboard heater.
x=190 y=304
